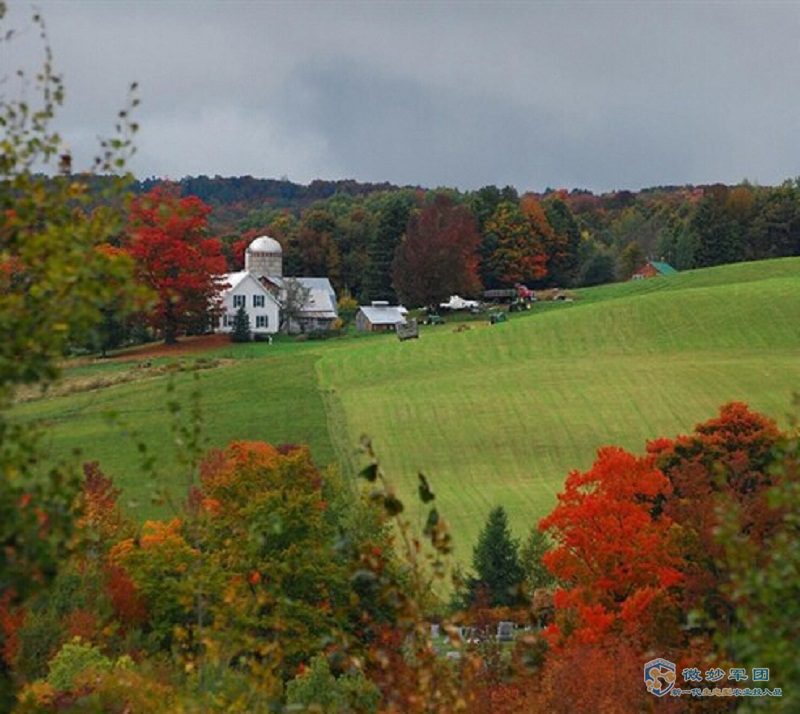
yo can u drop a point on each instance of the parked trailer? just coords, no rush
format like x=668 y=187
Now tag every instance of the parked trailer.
x=500 y=295
x=408 y=330
x=518 y=292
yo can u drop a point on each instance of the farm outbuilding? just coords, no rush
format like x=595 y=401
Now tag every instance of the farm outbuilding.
x=653 y=269
x=380 y=317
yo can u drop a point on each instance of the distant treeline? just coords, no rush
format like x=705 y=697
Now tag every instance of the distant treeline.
x=353 y=232
x=278 y=193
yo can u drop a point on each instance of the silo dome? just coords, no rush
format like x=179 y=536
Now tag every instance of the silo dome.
x=265 y=244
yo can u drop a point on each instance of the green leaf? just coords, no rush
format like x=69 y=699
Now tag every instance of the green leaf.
x=393 y=505
x=425 y=493
x=370 y=473
x=432 y=522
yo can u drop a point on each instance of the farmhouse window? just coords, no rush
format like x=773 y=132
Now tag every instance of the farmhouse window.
x=258 y=301
x=238 y=301
x=262 y=321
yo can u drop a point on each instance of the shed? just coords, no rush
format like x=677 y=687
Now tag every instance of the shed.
x=653 y=269
x=379 y=317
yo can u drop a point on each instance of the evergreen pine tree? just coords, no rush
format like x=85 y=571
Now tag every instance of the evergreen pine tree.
x=393 y=217
x=495 y=558
x=241 y=326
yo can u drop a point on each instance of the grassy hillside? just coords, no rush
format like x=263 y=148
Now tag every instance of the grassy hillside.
x=500 y=414
x=272 y=398
x=492 y=415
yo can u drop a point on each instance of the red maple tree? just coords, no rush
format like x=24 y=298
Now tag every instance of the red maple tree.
x=725 y=463
x=175 y=258
x=438 y=255
x=617 y=559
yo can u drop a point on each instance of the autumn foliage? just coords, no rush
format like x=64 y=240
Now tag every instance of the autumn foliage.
x=727 y=462
x=620 y=562
x=175 y=258
x=516 y=234
x=637 y=549
x=263 y=574
x=438 y=256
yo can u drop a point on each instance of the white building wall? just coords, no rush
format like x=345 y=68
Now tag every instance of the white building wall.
x=264 y=318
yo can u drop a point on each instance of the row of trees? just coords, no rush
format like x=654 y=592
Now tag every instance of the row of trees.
x=556 y=238
x=421 y=247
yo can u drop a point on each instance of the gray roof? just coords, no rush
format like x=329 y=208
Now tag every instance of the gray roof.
x=231 y=281
x=316 y=283
x=320 y=303
x=389 y=315
x=321 y=300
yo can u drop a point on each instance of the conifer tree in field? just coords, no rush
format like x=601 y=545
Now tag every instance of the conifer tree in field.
x=495 y=558
x=241 y=326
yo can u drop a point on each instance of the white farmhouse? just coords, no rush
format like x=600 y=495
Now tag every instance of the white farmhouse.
x=259 y=303
x=266 y=294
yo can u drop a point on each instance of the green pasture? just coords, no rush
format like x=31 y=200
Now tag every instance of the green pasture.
x=492 y=415
x=500 y=415
x=273 y=399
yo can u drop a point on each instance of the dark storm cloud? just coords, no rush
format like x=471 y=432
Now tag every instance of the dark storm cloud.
x=597 y=95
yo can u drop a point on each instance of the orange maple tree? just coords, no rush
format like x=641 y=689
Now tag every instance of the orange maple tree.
x=619 y=561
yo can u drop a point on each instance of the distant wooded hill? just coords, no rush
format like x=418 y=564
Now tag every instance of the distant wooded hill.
x=278 y=193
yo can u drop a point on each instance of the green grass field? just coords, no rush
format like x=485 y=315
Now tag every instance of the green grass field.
x=492 y=415
x=273 y=398
x=500 y=415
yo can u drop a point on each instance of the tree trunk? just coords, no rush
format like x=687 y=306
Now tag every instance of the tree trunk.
x=170 y=325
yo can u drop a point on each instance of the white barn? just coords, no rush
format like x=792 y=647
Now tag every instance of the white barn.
x=262 y=290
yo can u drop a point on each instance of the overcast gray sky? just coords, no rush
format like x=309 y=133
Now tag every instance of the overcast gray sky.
x=598 y=95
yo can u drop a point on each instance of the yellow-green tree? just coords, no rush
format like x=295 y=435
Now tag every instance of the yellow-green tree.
x=55 y=276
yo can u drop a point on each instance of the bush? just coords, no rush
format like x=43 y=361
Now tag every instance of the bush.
x=39 y=638
x=73 y=659
x=324 y=334
x=317 y=687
